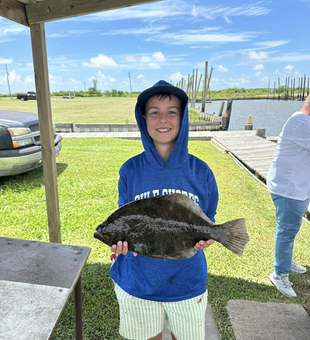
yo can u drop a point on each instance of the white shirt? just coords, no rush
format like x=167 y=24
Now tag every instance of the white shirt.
x=289 y=173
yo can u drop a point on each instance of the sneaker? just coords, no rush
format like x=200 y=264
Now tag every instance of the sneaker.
x=297 y=268
x=283 y=284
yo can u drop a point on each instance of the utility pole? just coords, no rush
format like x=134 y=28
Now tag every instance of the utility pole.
x=130 y=84
x=84 y=86
x=7 y=75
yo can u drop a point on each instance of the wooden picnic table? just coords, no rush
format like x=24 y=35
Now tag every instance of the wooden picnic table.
x=36 y=281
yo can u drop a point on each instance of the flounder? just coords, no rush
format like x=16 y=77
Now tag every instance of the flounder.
x=168 y=227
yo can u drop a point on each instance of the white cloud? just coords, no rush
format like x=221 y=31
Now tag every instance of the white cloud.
x=258 y=67
x=159 y=56
x=29 y=80
x=258 y=74
x=221 y=68
x=288 y=68
x=70 y=33
x=265 y=79
x=176 y=9
x=228 y=21
x=101 y=61
x=6 y=61
x=137 y=31
x=8 y=31
x=276 y=72
x=253 y=55
x=130 y=59
x=143 y=80
x=154 y=65
x=145 y=59
x=236 y=81
x=292 y=57
x=271 y=44
x=176 y=76
x=103 y=80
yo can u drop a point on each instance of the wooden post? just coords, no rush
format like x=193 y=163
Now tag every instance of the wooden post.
x=303 y=93
x=221 y=109
x=228 y=109
x=249 y=124
x=274 y=89
x=298 y=87
x=46 y=130
x=278 y=87
x=193 y=89
x=204 y=91
x=224 y=121
x=268 y=90
x=294 y=89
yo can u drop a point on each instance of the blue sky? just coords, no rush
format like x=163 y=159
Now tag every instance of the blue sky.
x=247 y=43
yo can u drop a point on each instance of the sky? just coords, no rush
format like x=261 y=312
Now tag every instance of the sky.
x=249 y=44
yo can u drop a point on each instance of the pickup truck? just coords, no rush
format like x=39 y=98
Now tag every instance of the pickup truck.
x=20 y=146
x=26 y=96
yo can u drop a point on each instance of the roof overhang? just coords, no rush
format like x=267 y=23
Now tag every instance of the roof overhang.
x=29 y=12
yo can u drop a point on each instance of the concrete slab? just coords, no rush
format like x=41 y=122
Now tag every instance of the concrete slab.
x=211 y=328
x=268 y=320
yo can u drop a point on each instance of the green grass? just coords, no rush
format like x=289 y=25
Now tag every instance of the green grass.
x=86 y=110
x=81 y=110
x=87 y=180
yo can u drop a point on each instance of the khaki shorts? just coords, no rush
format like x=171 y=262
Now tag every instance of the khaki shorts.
x=143 y=319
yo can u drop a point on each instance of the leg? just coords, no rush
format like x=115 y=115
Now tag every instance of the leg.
x=289 y=214
x=139 y=319
x=186 y=318
x=78 y=310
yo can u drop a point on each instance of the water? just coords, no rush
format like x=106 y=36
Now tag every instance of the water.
x=266 y=114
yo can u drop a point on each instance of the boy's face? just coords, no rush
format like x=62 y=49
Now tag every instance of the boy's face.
x=163 y=117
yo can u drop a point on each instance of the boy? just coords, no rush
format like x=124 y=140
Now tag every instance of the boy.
x=151 y=291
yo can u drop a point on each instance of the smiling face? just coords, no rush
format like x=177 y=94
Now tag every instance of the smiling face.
x=163 y=117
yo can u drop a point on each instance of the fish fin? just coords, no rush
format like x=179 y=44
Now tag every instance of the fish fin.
x=235 y=236
x=187 y=203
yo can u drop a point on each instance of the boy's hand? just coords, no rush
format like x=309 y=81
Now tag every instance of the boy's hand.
x=121 y=248
x=203 y=244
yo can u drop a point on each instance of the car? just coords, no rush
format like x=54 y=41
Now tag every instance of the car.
x=26 y=96
x=20 y=146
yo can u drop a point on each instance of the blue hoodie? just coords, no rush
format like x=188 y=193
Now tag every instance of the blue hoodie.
x=147 y=175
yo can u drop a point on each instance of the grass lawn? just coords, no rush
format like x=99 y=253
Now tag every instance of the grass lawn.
x=81 y=110
x=87 y=179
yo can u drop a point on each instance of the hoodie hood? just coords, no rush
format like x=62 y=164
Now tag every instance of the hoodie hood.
x=179 y=154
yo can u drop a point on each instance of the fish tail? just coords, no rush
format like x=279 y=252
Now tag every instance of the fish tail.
x=235 y=236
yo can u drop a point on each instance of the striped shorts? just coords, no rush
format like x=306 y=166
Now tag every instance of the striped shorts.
x=143 y=319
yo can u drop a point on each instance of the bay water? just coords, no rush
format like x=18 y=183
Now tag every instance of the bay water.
x=266 y=114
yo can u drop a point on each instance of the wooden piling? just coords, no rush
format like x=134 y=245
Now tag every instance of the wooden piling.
x=221 y=109
x=224 y=121
x=204 y=94
x=229 y=108
x=249 y=124
x=303 y=93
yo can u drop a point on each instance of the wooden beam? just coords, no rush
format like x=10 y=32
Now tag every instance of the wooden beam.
x=50 y=10
x=13 y=10
x=46 y=130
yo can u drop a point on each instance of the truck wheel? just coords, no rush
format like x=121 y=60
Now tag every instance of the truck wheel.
x=22 y=99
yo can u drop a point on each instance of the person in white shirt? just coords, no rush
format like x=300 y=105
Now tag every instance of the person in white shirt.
x=289 y=184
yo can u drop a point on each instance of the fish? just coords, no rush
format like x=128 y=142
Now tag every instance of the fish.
x=168 y=227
